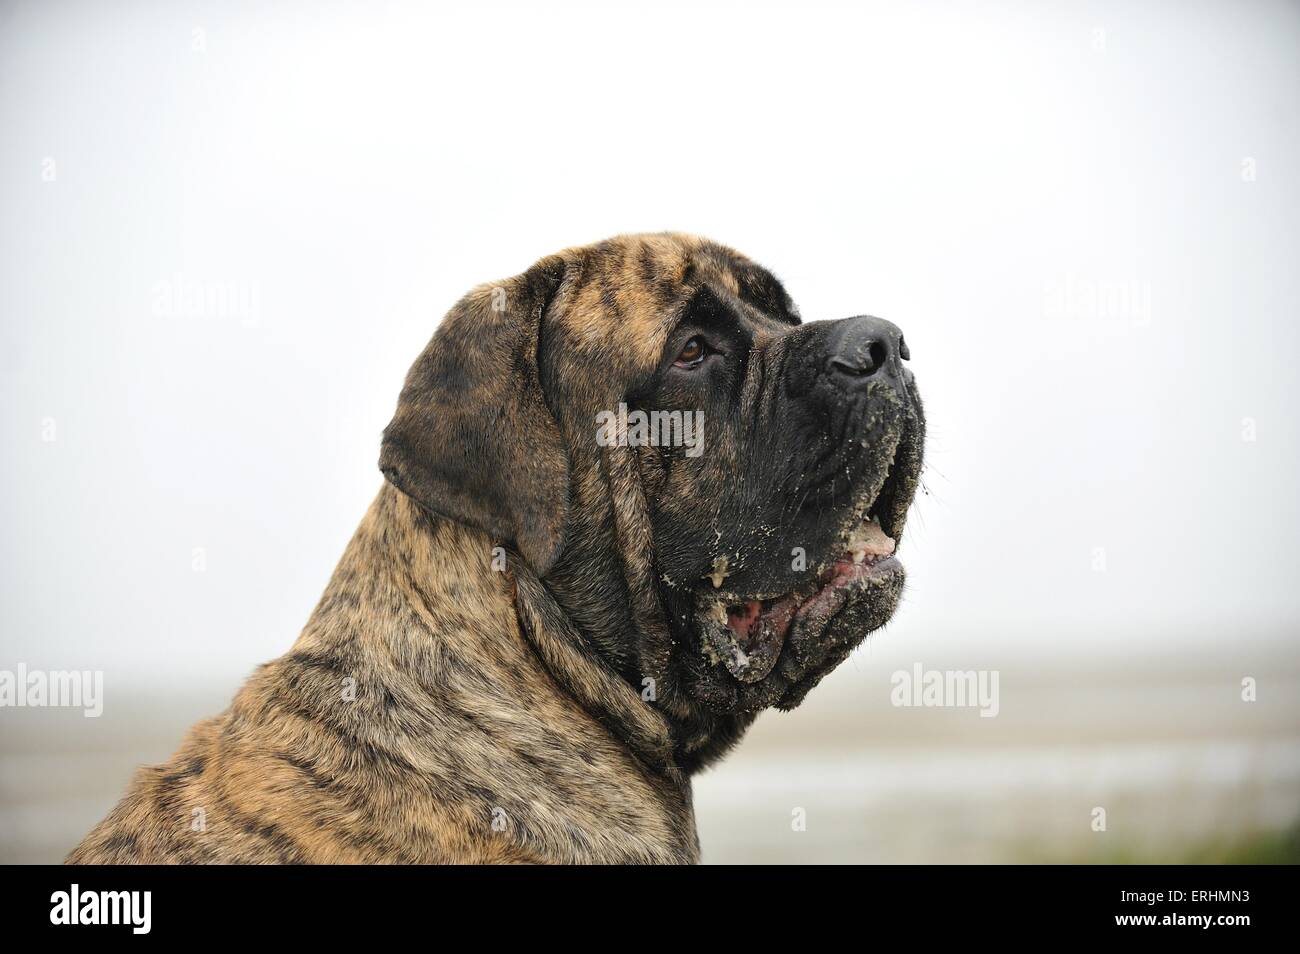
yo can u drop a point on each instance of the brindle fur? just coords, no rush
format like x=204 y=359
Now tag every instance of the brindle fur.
x=462 y=708
x=436 y=708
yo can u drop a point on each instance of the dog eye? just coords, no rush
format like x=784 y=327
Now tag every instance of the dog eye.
x=692 y=354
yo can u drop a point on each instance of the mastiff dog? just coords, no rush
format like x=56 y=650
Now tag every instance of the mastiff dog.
x=630 y=502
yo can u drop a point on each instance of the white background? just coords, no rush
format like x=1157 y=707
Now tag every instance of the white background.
x=1085 y=217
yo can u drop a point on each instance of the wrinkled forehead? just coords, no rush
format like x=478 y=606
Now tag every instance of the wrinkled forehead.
x=630 y=292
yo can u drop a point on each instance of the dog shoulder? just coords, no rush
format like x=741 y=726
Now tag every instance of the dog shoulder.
x=163 y=807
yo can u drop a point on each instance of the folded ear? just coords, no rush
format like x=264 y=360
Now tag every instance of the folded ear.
x=473 y=439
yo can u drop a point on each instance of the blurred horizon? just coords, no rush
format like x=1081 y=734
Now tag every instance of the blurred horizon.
x=1184 y=768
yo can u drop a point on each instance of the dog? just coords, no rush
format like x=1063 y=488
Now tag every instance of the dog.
x=630 y=502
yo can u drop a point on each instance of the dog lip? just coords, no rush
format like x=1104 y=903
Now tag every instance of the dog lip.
x=759 y=627
x=755 y=626
x=744 y=614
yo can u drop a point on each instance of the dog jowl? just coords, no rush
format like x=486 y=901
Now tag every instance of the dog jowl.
x=699 y=500
x=776 y=553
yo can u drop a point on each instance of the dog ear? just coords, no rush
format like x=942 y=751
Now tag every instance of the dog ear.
x=473 y=439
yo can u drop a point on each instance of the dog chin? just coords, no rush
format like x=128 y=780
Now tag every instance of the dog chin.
x=854 y=593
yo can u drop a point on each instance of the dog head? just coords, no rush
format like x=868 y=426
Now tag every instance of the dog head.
x=712 y=489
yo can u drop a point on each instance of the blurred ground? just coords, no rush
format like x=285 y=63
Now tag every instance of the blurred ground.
x=1185 y=770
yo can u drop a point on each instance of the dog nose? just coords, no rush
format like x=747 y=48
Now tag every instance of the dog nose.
x=864 y=348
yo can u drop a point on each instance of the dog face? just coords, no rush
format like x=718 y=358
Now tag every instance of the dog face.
x=712 y=489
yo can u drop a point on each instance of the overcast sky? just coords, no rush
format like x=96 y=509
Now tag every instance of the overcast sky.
x=1086 y=220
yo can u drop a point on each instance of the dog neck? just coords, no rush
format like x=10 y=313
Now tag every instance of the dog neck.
x=475 y=650
x=454 y=575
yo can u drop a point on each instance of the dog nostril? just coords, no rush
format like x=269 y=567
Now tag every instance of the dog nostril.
x=902 y=349
x=863 y=363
